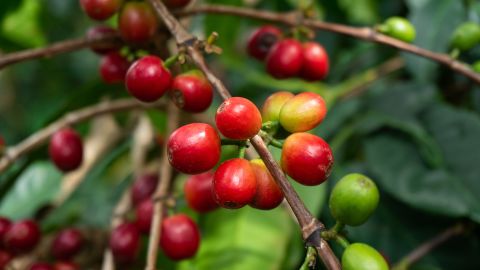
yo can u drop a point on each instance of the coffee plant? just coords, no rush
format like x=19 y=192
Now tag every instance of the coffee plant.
x=214 y=134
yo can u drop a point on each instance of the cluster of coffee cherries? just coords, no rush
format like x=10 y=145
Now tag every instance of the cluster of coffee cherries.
x=21 y=237
x=288 y=57
x=180 y=235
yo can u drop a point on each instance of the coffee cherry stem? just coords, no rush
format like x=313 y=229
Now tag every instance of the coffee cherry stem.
x=342 y=241
x=171 y=60
x=241 y=151
x=276 y=143
x=338 y=227
x=310 y=259
x=270 y=126
x=455 y=53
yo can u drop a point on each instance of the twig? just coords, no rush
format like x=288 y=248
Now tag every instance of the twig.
x=40 y=137
x=364 y=33
x=162 y=189
x=310 y=226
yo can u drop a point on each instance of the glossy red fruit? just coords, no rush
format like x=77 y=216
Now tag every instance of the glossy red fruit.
x=238 y=118
x=99 y=31
x=192 y=92
x=180 y=237
x=147 y=79
x=65 y=266
x=143 y=216
x=285 y=59
x=113 y=68
x=234 y=183
x=261 y=41
x=143 y=187
x=198 y=192
x=100 y=9
x=67 y=244
x=273 y=105
x=176 y=3
x=303 y=112
x=22 y=236
x=5 y=225
x=194 y=148
x=66 y=149
x=125 y=243
x=137 y=22
x=307 y=158
x=5 y=258
x=268 y=194
x=41 y=266
x=315 y=62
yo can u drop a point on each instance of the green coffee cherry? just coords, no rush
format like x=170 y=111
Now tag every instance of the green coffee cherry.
x=399 y=28
x=353 y=199
x=360 y=256
x=476 y=66
x=466 y=36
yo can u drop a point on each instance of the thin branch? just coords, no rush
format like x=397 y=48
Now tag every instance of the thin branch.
x=310 y=226
x=363 y=33
x=42 y=136
x=162 y=189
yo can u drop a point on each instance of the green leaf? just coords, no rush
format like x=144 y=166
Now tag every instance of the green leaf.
x=36 y=186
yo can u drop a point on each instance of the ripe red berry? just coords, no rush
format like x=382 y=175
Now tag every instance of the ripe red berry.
x=315 y=62
x=5 y=258
x=66 y=149
x=65 y=266
x=261 y=40
x=234 y=183
x=67 y=244
x=268 y=195
x=307 y=158
x=238 y=118
x=176 y=3
x=125 y=243
x=41 y=266
x=100 y=9
x=137 y=22
x=194 y=148
x=22 y=237
x=192 y=92
x=98 y=31
x=113 y=68
x=143 y=187
x=180 y=237
x=5 y=225
x=143 y=216
x=285 y=59
x=303 y=112
x=147 y=79
x=273 y=105
x=198 y=192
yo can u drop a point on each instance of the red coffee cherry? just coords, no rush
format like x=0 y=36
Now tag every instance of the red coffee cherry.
x=147 y=79
x=66 y=149
x=137 y=22
x=5 y=225
x=125 y=243
x=41 y=266
x=176 y=3
x=192 y=92
x=238 y=118
x=307 y=158
x=22 y=237
x=65 y=266
x=315 y=62
x=303 y=112
x=273 y=105
x=99 y=31
x=268 y=195
x=113 y=68
x=180 y=237
x=261 y=40
x=143 y=216
x=143 y=187
x=234 y=183
x=67 y=244
x=198 y=192
x=285 y=59
x=5 y=258
x=100 y=9
x=194 y=148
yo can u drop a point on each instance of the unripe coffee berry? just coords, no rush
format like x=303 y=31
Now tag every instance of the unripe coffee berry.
x=238 y=118
x=144 y=215
x=147 y=79
x=67 y=244
x=99 y=31
x=192 y=92
x=143 y=187
x=307 y=158
x=100 y=9
x=234 y=183
x=353 y=199
x=22 y=236
x=180 y=237
x=273 y=105
x=303 y=112
x=268 y=194
x=176 y=3
x=361 y=256
x=41 y=266
x=137 y=22
x=399 y=28
x=285 y=59
x=113 y=68
x=198 y=192
x=466 y=36
x=194 y=148
x=261 y=40
x=125 y=243
x=315 y=62
x=66 y=149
